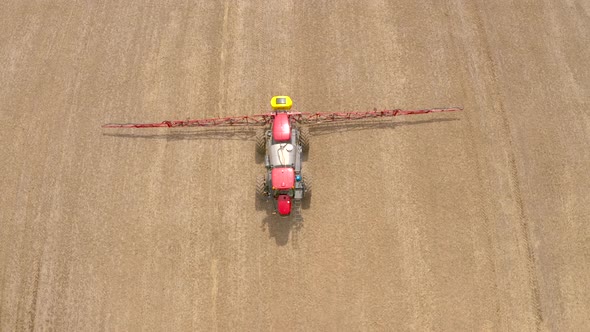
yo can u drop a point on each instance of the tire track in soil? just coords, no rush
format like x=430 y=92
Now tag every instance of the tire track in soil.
x=29 y=320
x=33 y=308
x=473 y=151
x=514 y=175
x=517 y=194
x=39 y=289
x=217 y=232
x=492 y=87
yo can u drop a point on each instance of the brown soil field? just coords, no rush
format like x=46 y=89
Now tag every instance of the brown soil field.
x=473 y=220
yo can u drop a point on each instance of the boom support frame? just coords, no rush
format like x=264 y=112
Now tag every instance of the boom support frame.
x=264 y=119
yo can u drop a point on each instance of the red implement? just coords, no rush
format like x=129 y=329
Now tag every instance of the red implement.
x=283 y=120
x=284 y=140
x=321 y=117
x=246 y=120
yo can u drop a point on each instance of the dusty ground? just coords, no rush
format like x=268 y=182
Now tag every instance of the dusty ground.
x=464 y=221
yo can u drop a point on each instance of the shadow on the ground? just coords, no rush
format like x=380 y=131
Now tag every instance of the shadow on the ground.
x=249 y=133
x=327 y=128
x=281 y=228
x=175 y=134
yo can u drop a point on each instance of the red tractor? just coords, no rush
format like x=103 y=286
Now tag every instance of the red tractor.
x=283 y=145
x=283 y=141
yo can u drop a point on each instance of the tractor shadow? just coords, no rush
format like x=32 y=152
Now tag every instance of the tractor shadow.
x=281 y=228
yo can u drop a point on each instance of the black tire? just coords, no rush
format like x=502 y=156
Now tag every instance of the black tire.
x=260 y=201
x=261 y=142
x=307 y=184
x=261 y=187
x=304 y=138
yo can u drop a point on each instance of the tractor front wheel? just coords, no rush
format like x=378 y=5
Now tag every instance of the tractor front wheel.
x=304 y=138
x=261 y=142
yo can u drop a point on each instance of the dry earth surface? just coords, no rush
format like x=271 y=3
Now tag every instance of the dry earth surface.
x=475 y=220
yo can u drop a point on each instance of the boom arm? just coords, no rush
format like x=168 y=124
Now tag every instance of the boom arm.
x=263 y=119
x=321 y=117
x=245 y=120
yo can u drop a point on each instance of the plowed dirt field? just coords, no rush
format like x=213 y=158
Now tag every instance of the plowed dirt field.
x=474 y=220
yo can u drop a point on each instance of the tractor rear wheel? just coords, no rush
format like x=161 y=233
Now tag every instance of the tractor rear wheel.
x=306 y=202
x=261 y=142
x=304 y=138
x=306 y=184
x=261 y=187
x=260 y=201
